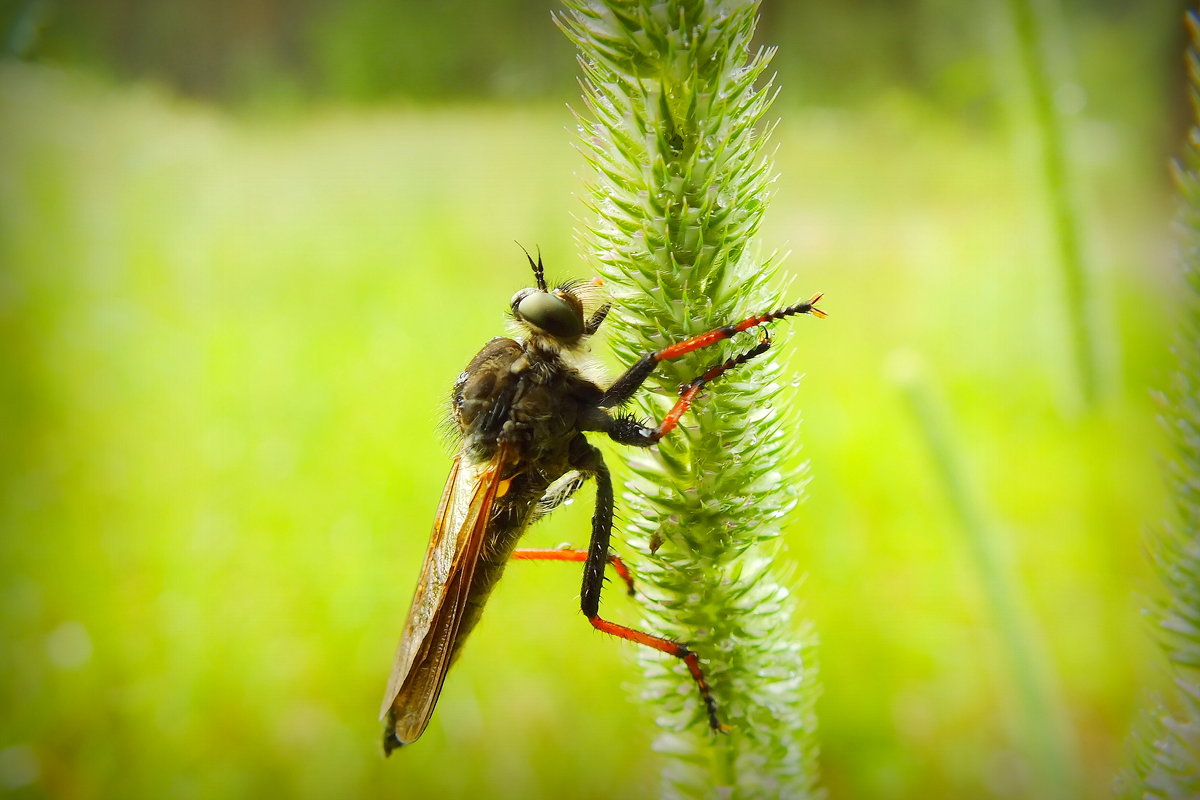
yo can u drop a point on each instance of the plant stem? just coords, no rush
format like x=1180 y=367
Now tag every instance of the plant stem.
x=1043 y=729
x=1066 y=225
x=678 y=187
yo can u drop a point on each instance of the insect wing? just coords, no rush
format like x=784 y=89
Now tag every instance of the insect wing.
x=423 y=657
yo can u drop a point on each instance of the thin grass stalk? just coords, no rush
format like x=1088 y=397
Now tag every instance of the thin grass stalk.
x=1066 y=225
x=1044 y=732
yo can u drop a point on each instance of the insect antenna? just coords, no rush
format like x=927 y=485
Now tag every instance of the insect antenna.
x=539 y=272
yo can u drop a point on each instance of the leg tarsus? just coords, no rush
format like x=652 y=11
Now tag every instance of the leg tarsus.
x=624 y=387
x=717 y=334
x=669 y=647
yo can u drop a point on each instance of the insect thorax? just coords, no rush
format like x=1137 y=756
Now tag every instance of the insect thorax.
x=528 y=399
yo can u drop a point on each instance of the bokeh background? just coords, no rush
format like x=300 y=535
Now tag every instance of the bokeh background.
x=246 y=247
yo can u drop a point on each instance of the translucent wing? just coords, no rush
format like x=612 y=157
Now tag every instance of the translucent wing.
x=437 y=608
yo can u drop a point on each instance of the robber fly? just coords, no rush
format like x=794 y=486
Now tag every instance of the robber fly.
x=522 y=408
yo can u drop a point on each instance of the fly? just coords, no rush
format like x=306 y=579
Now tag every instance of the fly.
x=522 y=408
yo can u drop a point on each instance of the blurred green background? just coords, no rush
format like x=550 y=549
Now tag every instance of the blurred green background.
x=246 y=247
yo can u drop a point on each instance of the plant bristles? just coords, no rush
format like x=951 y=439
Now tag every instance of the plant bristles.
x=673 y=104
x=1168 y=754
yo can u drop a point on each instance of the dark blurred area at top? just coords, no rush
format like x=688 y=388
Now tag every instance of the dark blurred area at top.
x=368 y=51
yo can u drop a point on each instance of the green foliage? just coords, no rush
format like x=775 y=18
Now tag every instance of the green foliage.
x=679 y=184
x=227 y=345
x=1168 y=761
x=253 y=52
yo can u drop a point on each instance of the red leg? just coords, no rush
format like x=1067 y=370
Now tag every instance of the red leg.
x=688 y=392
x=712 y=337
x=562 y=554
x=649 y=640
x=628 y=430
x=624 y=387
x=671 y=648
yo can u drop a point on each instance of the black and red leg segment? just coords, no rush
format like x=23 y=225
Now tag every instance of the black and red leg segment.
x=624 y=387
x=628 y=430
x=671 y=648
x=593 y=581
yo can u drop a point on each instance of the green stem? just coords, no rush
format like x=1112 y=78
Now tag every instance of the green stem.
x=1043 y=729
x=1066 y=225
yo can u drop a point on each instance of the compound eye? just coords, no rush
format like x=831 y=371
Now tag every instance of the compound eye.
x=550 y=313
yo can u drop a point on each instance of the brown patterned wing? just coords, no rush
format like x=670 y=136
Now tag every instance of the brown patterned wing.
x=423 y=657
